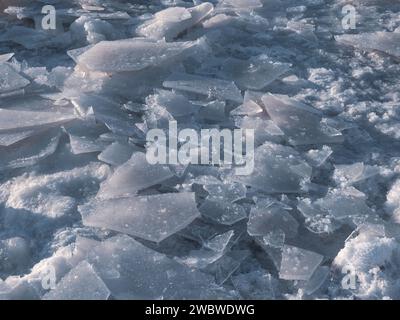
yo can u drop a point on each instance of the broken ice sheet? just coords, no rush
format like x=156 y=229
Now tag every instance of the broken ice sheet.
x=20 y=119
x=7 y=139
x=277 y=169
x=117 y=153
x=176 y=104
x=265 y=219
x=81 y=283
x=146 y=274
x=254 y=285
x=251 y=105
x=302 y=124
x=387 y=42
x=153 y=218
x=317 y=157
x=222 y=212
x=29 y=151
x=350 y=174
x=210 y=87
x=242 y=4
x=10 y=79
x=226 y=191
x=298 y=263
x=171 y=22
x=316 y=281
x=254 y=74
x=134 y=175
x=131 y=54
x=5 y=57
x=212 y=250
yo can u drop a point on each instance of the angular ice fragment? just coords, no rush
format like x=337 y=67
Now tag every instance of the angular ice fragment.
x=318 y=157
x=7 y=139
x=316 y=280
x=145 y=273
x=264 y=220
x=117 y=153
x=243 y=4
x=350 y=174
x=212 y=251
x=10 y=79
x=19 y=119
x=171 y=22
x=81 y=283
x=222 y=212
x=131 y=54
x=298 y=264
x=176 y=104
x=387 y=42
x=300 y=123
x=134 y=175
x=80 y=145
x=153 y=218
x=250 y=106
x=210 y=87
x=255 y=73
x=277 y=169
x=5 y=57
x=29 y=151
x=226 y=191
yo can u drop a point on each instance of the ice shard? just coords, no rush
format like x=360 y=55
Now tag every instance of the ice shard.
x=153 y=218
x=81 y=283
x=10 y=79
x=298 y=263
x=131 y=54
x=134 y=175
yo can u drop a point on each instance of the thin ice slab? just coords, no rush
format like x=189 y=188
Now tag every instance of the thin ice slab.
x=210 y=87
x=10 y=80
x=153 y=218
x=131 y=54
x=81 y=283
x=171 y=22
x=301 y=124
x=134 y=175
x=387 y=42
x=298 y=263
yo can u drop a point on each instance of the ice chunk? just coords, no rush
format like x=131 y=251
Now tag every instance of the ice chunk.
x=171 y=22
x=176 y=104
x=10 y=79
x=20 y=119
x=278 y=169
x=226 y=191
x=300 y=123
x=29 y=151
x=318 y=157
x=117 y=153
x=264 y=220
x=254 y=285
x=14 y=254
x=131 y=54
x=81 y=283
x=250 y=106
x=80 y=145
x=146 y=274
x=212 y=251
x=152 y=218
x=7 y=139
x=223 y=212
x=298 y=264
x=5 y=57
x=317 y=280
x=134 y=175
x=210 y=87
x=243 y=4
x=350 y=174
x=255 y=73
x=387 y=42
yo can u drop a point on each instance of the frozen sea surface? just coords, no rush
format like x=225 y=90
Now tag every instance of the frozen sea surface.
x=84 y=215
